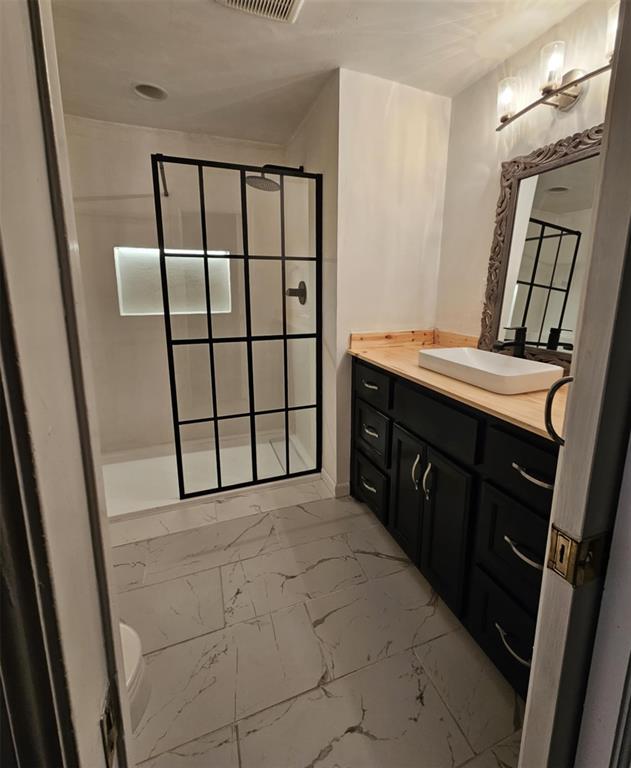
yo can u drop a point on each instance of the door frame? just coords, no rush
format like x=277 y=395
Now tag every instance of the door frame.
x=55 y=422
x=591 y=463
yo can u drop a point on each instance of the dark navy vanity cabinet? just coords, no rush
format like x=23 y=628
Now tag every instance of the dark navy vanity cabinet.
x=467 y=497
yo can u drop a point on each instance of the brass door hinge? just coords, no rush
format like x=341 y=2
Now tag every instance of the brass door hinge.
x=578 y=562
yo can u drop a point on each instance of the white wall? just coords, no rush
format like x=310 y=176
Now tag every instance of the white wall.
x=112 y=186
x=392 y=164
x=315 y=145
x=476 y=151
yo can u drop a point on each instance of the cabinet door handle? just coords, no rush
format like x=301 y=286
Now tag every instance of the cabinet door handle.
x=367 y=486
x=516 y=656
x=531 y=478
x=425 y=476
x=414 y=466
x=517 y=552
x=370 y=431
x=370 y=385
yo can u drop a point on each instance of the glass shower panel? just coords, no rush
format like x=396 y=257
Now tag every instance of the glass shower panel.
x=227 y=293
x=266 y=297
x=243 y=355
x=187 y=297
x=269 y=378
x=300 y=217
x=271 y=454
x=565 y=262
x=199 y=465
x=301 y=372
x=231 y=378
x=264 y=214
x=192 y=378
x=550 y=245
x=235 y=451
x=303 y=440
x=301 y=318
x=222 y=209
x=181 y=220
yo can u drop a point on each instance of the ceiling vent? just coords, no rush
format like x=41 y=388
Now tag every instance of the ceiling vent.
x=276 y=10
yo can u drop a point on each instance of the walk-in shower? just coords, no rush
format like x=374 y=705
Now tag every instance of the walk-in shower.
x=241 y=272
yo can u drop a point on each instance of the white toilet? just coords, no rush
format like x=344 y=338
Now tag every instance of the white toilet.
x=136 y=679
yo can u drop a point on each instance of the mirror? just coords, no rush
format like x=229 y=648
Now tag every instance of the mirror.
x=541 y=246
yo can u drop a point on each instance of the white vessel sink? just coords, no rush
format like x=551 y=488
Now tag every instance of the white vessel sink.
x=489 y=370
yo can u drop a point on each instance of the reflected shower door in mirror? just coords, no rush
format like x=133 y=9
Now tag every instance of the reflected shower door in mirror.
x=548 y=256
x=541 y=248
x=240 y=261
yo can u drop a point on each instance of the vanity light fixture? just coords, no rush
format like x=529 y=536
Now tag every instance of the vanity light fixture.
x=552 y=61
x=507 y=98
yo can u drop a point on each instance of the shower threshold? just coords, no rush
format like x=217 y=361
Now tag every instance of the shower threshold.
x=142 y=481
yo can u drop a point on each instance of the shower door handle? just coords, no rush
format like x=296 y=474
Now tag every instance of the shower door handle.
x=299 y=293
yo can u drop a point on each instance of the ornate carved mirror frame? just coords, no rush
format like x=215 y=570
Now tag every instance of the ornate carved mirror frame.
x=580 y=146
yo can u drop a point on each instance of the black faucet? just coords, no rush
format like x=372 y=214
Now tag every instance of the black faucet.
x=518 y=344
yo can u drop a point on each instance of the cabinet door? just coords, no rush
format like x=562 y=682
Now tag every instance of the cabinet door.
x=406 y=503
x=447 y=494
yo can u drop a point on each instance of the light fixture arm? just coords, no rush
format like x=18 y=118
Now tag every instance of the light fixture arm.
x=546 y=98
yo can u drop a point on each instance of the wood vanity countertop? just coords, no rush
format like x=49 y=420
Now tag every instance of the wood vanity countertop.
x=401 y=358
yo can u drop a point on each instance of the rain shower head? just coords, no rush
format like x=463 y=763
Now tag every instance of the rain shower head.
x=263 y=183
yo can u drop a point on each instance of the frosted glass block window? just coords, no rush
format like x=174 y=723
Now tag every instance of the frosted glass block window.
x=140 y=287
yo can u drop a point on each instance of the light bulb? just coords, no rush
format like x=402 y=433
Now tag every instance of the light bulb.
x=552 y=61
x=507 y=91
x=612 y=29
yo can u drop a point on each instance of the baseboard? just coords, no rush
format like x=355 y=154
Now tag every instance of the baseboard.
x=335 y=489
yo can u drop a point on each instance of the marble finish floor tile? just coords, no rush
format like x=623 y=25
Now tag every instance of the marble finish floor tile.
x=180 y=554
x=320 y=520
x=217 y=750
x=502 y=755
x=266 y=583
x=203 y=684
x=176 y=610
x=483 y=703
x=378 y=553
x=268 y=499
x=158 y=524
x=382 y=617
x=388 y=715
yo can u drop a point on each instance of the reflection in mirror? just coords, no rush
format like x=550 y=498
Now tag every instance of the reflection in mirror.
x=548 y=255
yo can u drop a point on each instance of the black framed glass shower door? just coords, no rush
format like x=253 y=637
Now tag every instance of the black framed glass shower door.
x=241 y=278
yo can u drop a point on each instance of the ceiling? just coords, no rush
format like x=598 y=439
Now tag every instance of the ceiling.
x=579 y=179
x=231 y=74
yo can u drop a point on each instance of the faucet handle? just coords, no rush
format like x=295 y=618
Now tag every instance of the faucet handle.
x=520 y=331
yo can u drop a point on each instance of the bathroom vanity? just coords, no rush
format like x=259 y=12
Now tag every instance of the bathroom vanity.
x=463 y=480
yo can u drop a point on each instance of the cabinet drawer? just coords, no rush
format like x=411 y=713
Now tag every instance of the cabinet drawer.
x=520 y=467
x=375 y=387
x=370 y=486
x=511 y=545
x=502 y=628
x=372 y=433
x=452 y=431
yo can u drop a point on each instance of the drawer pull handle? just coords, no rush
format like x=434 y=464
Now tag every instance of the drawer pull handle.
x=367 y=485
x=370 y=385
x=516 y=656
x=521 y=556
x=370 y=432
x=414 y=466
x=531 y=478
x=425 y=476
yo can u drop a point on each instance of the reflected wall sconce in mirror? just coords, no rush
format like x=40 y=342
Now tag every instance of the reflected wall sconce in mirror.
x=559 y=89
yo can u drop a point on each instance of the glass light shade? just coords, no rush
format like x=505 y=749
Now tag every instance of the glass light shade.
x=552 y=62
x=612 y=29
x=507 y=98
